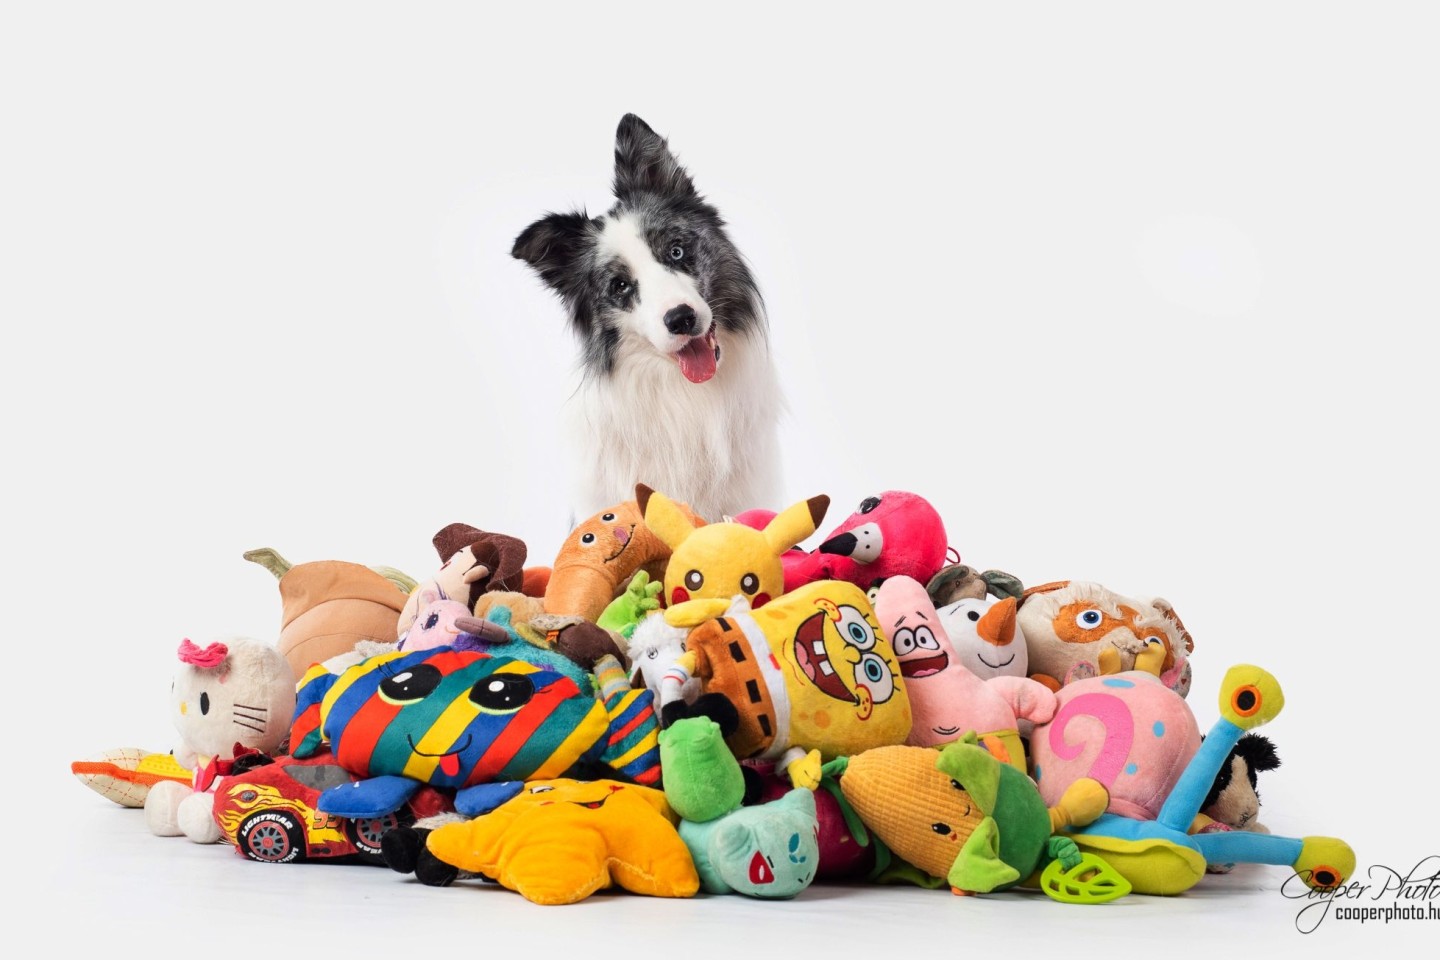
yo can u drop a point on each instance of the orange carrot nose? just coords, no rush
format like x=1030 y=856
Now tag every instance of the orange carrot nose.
x=998 y=624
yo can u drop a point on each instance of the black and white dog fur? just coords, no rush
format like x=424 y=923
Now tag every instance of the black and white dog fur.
x=677 y=388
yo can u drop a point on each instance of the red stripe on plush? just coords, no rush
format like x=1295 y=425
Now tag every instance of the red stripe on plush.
x=517 y=733
x=629 y=728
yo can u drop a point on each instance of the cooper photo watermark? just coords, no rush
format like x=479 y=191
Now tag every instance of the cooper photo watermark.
x=1386 y=895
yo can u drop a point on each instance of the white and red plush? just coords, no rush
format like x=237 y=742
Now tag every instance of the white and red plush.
x=946 y=699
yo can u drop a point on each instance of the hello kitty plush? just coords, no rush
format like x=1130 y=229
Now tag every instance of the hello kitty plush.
x=226 y=695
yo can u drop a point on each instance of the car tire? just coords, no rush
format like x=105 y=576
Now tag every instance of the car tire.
x=367 y=832
x=271 y=836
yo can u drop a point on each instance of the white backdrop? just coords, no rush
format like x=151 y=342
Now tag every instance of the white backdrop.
x=1132 y=293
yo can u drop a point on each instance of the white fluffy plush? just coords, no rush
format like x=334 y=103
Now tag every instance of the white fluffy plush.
x=654 y=646
x=239 y=692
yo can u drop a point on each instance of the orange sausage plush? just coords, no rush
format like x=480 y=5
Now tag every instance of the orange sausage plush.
x=600 y=556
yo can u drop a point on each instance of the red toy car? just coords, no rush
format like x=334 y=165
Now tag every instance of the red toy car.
x=269 y=813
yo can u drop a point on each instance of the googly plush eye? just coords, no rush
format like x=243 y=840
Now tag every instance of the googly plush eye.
x=941 y=828
x=694 y=580
x=410 y=686
x=587 y=538
x=869 y=504
x=607 y=517
x=750 y=583
x=431 y=621
x=925 y=639
x=872 y=673
x=1089 y=619
x=903 y=641
x=204 y=703
x=855 y=629
x=502 y=692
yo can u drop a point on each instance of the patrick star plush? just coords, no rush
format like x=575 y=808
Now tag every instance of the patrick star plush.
x=947 y=700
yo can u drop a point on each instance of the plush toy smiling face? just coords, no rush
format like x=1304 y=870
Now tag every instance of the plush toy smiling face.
x=985 y=637
x=843 y=680
x=454 y=718
x=606 y=536
x=835 y=648
x=724 y=560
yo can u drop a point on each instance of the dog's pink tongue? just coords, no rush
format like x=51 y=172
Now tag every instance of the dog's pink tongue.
x=697 y=359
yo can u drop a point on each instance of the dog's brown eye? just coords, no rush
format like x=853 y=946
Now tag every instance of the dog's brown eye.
x=694 y=580
x=750 y=583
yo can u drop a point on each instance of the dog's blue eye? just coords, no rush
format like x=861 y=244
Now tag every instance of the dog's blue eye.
x=677 y=252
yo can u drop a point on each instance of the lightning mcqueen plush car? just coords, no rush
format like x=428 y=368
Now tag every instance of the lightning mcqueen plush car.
x=269 y=813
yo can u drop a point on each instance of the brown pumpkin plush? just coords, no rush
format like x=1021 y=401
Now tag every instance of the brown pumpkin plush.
x=328 y=606
x=600 y=556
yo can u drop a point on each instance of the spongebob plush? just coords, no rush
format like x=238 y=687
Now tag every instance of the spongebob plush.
x=810 y=675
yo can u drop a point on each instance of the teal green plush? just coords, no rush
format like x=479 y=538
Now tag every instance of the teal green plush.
x=769 y=851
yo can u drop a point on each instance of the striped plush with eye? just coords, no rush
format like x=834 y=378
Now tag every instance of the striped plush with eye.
x=462 y=719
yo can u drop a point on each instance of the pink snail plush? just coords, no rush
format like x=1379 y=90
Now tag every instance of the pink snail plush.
x=1127 y=730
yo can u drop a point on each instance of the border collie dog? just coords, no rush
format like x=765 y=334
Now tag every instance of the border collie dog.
x=677 y=388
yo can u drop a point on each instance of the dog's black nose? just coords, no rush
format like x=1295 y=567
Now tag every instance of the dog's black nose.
x=681 y=320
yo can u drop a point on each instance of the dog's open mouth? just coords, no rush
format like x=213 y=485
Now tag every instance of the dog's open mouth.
x=698 y=357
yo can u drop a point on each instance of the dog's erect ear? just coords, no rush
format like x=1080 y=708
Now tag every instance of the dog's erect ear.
x=551 y=244
x=644 y=163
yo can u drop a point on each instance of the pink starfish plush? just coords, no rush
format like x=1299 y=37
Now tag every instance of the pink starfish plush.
x=946 y=699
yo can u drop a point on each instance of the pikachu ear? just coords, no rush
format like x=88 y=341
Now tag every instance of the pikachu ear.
x=795 y=523
x=666 y=520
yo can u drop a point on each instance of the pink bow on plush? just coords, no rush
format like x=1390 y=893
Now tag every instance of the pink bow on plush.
x=212 y=656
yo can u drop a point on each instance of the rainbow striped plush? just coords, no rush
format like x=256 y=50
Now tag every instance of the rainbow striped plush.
x=458 y=718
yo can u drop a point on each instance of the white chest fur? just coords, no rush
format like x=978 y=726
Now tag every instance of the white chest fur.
x=712 y=445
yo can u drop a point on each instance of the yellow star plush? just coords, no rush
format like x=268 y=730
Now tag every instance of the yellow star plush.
x=561 y=840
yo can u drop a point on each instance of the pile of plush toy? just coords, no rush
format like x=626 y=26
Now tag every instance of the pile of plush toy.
x=675 y=706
